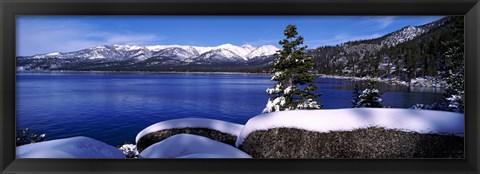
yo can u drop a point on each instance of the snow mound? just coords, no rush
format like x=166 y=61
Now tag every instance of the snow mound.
x=221 y=126
x=421 y=121
x=191 y=146
x=75 y=147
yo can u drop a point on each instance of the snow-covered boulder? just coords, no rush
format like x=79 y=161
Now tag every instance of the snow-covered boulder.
x=221 y=131
x=354 y=133
x=191 y=146
x=75 y=147
x=325 y=120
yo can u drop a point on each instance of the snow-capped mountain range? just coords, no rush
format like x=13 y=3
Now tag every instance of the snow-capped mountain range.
x=149 y=58
x=179 y=52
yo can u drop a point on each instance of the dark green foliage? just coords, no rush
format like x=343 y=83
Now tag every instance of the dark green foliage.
x=450 y=68
x=370 y=97
x=293 y=72
x=356 y=97
x=453 y=70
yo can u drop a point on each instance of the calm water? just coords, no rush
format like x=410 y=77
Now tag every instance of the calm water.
x=114 y=107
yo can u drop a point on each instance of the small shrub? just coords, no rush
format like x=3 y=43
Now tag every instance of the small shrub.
x=24 y=136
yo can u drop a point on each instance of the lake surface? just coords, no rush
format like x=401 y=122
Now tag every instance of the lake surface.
x=114 y=107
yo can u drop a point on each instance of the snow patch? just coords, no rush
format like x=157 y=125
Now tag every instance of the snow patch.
x=403 y=35
x=222 y=126
x=427 y=82
x=288 y=90
x=191 y=146
x=274 y=105
x=128 y=47
x=248 y=47
x=326 y=120
x=262 y=51
x=75 y=147
x=53 y=54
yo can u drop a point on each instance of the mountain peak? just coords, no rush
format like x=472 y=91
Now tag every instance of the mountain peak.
x=407 y=33
x=248 y=47
x=228 y=46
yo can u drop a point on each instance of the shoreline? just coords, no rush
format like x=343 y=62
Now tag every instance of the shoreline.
x=418 y=82
x=390 y=81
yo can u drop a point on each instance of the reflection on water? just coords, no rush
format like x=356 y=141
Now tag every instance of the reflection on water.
x=426 y=89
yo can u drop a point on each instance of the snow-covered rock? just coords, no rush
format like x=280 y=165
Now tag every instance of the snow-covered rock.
x=221 y=126
x=326 y=120
x=130 y=150
x=191 y=146
x=75 y=147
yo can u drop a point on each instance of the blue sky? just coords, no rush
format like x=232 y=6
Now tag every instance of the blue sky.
x=45 y=34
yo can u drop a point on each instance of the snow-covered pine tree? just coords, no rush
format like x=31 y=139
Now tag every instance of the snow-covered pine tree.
x=370 y=97
x=454 y=92
x=356 y=97
x=454 y=69
x=294 y=76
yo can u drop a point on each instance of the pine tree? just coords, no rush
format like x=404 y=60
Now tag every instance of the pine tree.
x=356 y=97
x=453 y=74
x=370 y=97
x=294 y=76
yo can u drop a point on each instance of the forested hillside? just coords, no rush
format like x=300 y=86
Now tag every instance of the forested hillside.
x=405 y=54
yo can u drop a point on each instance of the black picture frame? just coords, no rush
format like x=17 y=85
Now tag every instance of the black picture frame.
x=11 y=8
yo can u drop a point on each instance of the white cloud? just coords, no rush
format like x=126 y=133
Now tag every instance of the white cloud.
x=376 y=22
x=55 y=36
x=341 y=38
x=131 y=39
x=384 y=21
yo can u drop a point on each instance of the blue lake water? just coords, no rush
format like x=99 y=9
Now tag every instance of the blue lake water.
x=114 y=107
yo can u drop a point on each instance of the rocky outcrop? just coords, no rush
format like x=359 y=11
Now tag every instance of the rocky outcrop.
x=154 y=137
x=369 y=142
